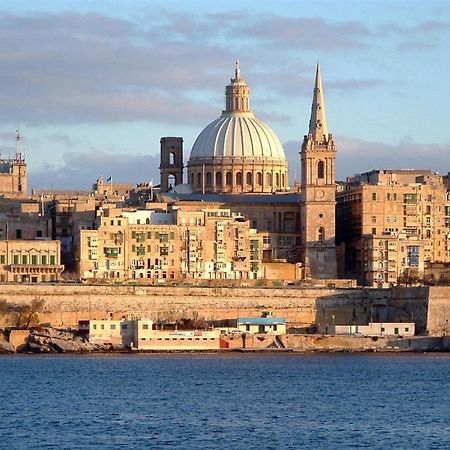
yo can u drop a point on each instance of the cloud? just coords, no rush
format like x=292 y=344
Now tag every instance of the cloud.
x=357 y=155
x=311 y=33
x=80 y=170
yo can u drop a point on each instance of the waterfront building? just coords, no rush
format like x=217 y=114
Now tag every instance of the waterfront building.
x=262 y=325
x=394 y=329
x=139 y=334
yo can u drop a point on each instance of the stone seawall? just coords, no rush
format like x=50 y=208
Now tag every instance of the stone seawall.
x=429 y=308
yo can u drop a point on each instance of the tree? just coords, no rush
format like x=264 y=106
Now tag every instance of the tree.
x=28 y=315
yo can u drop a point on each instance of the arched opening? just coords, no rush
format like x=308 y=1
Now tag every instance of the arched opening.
x=228 y=179
x=199 y=179
x=239 y=178
x=320 y=170
x=249 y=178
x=192 y=180
x=321 y=235
x=259 y=178
x=171 y=158
x=277 y=179
x=171 y=181
x=269 y=179
x=219 y=179
x=208 y=179
x=283 y=180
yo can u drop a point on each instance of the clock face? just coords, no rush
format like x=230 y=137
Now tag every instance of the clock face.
x=320 y=194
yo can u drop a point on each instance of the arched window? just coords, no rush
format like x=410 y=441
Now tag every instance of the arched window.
x=219 y=179
x=321 y=235
x=277 y=179
x=283 y=180
x=320 y=170
x=249 y=179
x=259 y=178
x=171 y=158
x=199 y=179
x=239 y=178
x=192 y=179
x=269 y=179
x=208 y=178
x=228 y=179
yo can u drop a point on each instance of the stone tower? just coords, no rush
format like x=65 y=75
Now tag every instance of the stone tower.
x=318 y=187
x=171 y=168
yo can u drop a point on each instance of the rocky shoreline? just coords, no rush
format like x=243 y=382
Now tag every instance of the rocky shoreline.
x=47 y=340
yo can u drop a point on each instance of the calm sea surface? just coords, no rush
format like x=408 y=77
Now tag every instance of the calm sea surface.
x=235 y=401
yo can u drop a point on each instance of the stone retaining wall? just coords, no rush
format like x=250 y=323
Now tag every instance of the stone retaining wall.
x=429 y=308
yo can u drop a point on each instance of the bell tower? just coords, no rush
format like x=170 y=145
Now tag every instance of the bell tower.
x=318 y=187
x=171 y=168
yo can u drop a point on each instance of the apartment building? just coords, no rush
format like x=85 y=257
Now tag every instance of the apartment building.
x=152 y=246
x=391 y=223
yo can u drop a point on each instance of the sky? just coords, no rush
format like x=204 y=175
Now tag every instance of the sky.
x=95 y=85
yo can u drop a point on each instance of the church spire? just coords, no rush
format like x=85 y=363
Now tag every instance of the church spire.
x=318 y=122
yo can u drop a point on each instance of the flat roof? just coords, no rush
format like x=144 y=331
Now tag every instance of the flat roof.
x=235 y=198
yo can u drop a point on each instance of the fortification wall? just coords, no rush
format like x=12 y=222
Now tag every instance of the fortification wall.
x=66 y=304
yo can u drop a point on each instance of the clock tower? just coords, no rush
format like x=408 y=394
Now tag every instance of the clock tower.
x=318 y=187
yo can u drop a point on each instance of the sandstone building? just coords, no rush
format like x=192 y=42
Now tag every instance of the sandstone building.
x=393 y=223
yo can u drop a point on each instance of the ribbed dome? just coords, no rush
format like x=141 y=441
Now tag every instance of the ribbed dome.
x=237 y=135
x=237 y=153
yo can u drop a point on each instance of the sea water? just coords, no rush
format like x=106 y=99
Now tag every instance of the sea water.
x=225 y=401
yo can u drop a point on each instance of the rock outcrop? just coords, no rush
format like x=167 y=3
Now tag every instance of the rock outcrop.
x=51 y=340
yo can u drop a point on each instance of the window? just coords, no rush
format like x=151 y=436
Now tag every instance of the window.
x=145 y=326
x=218 y=178
x=396 y=330
x=388 y=196
x=374 y=196
x=18 y=233
x=16 y=259
x=247 y=327
x=228 y=178
x=102 y=326
x=113 y=326
x=321 y=235
x=39 y=233
x=94 y=327
x=2 y=259
x=259 y=179
x=24 y=259
x=239 y=178
x=249 y=178
x=52 y=260
x=44 y=260
x=406 y=329
x=374 y=231
x=124 y=326
x=320 y=170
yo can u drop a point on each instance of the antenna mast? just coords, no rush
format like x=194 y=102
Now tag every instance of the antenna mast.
x=19 y=155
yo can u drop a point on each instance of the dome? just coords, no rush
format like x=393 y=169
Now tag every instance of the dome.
x=237 y=153
x=237 y=135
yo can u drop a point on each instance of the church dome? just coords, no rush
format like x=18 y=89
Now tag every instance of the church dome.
x=237 y=152
x=237 y=135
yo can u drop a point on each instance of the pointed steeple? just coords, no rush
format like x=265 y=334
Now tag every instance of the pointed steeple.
x=318 y=123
